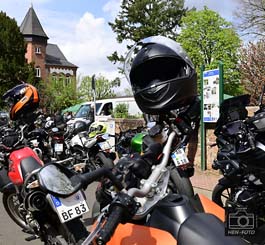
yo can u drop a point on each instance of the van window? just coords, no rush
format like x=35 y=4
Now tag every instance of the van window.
x=107 y=109
x=85 y=109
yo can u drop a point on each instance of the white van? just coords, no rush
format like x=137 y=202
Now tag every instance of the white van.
x=104 y=108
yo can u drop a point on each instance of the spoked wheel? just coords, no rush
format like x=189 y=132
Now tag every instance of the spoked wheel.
x=221 y=194
x=11 y=205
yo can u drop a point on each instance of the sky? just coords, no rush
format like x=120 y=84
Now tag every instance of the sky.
x=80 y=28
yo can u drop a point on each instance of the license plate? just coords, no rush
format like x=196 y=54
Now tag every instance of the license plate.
x=58 y=147
x=70 y=207
x=179 y=157
x=104 y=145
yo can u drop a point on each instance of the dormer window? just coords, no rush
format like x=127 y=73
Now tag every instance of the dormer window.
x=38 y=72
x=38 y=50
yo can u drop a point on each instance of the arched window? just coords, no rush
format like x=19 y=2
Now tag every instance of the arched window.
x=37 y=50
x=67 y=80
x=38 y=71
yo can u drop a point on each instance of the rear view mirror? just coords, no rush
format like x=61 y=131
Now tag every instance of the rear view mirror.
x=58 y=180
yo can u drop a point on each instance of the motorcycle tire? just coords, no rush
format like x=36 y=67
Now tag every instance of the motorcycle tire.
x=220 y=194
x=70 y=233
x=180 y=184
x=11 y=205
x=103 y=161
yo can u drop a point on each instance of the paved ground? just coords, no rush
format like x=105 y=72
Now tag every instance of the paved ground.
x=204 y=181
x=11 y=234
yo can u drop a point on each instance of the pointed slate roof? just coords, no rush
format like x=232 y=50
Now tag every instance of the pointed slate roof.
x=54 y=56
x=31 y=25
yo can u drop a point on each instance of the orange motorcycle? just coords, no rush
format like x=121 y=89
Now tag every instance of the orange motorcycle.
x=147 y=214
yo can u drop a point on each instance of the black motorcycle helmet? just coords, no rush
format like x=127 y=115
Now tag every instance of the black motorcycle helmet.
x=22 y=99
x=162 y=76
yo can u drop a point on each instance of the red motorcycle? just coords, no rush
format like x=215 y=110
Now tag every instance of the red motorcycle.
x=28 y=204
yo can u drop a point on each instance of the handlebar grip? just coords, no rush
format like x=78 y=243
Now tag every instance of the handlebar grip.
x=114 y=219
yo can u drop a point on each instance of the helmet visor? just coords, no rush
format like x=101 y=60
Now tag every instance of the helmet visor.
x=153 y=40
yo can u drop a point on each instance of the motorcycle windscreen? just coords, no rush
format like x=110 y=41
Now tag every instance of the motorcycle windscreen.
x=137 y=234
x=55 y=181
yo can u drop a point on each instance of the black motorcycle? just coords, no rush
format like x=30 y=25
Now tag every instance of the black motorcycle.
x=241 y=158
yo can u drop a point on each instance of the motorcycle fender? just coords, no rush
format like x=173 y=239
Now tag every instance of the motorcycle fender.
x=7 y=188
x=137 y=234
x=225 y=182
x=212 y=208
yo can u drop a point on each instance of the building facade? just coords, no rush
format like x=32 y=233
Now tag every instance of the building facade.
x=48 y=59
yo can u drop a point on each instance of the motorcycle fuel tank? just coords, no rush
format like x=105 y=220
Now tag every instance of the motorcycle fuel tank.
x=22 y=161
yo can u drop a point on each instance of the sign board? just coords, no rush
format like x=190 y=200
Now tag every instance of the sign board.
x=211 y=95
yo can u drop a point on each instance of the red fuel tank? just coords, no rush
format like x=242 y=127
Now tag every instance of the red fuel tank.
x=28 y=158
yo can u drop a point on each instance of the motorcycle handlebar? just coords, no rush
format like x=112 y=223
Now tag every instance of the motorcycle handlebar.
x=113 y=221
x=90 y=177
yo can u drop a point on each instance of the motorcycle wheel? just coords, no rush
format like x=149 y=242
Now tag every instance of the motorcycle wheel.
x=71 y=233
x=180 y=184
x=221 y=194
x=103 y=161
x=11 y=205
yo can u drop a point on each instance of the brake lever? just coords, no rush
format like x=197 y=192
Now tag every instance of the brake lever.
x=94 y=233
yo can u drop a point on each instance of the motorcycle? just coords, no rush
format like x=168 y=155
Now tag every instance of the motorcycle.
x=28 y=205
x=180 y=168
x=37 y=139
x=129 y=141
x=240 y=158
x=90 y=146
x=149 y=214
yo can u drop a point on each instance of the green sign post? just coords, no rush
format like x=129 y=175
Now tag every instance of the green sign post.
x=211 y=97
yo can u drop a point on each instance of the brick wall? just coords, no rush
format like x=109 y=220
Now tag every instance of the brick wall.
x=123 y=124
x=38 y=59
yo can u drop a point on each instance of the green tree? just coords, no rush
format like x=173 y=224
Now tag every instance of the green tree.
x=208 y=39
x=13 y=66
x=121 y=111
x=252 y=70
x=143 y=18
x=104 y=88
x=57 y=94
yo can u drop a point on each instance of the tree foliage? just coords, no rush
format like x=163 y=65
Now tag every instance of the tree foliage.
x=208 y=39
x=13 y=66
x=121 y=111
x=104 y=88
x=252 y=65
x=143 y=18
x=251 y=17
x=57 y=94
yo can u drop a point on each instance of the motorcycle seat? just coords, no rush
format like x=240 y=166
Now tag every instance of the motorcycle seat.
x=206 y=229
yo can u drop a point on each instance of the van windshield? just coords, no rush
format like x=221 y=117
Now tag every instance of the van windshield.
x=85 y=109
